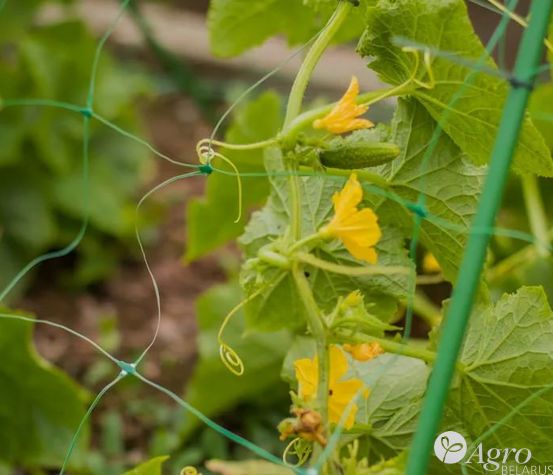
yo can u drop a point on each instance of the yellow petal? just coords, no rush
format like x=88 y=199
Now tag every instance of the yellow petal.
x=346 y=200
x=364 y=351
x=307 y=374
x=342 y=393
x=360 y=252
x=338 y=365
x=361 y=227
x=430 y=264
x=335 y=412
x=343 y=117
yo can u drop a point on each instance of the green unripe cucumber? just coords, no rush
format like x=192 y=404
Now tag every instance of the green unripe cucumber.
x=354 y=155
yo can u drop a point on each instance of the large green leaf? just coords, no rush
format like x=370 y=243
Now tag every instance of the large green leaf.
x=151 y=467
x=238 y=25
x=397 y=384
x=449 y=182
x=279 y=305
x=210 y=219
x=467 y=104
x=40 y=407
x=213 y=389
x=507 y=357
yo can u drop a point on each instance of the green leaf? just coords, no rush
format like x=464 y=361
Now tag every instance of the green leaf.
x=394 y=466
x=397 y=384
x=210 y=219
x=507 y=357
x=279 y=305
x=151 y=467
x=213 y=389
x=449 y=181
x=472 y=101
x=26 y=217
x=238 y=25
x=40 y=407
x=541 y=111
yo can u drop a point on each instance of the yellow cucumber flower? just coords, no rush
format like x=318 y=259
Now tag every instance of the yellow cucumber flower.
x=430 y=264
x=364 y=351
x=344 y=116
x=357 y=229
x=340 y=393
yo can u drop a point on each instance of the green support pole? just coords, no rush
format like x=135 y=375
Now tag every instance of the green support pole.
x=528 y=60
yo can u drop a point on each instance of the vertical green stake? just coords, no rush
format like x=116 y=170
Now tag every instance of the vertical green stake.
x=528 y=60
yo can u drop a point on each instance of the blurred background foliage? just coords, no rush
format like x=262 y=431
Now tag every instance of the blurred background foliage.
x=42 y=200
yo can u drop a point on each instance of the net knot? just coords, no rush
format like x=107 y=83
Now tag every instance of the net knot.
x=126 y=368
x=86 y=112
x=520 y=83
x=206 y=169
x=419 y=209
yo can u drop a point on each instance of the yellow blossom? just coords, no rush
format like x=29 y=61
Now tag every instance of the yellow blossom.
x=340 y=393
x=357 y=229
x=364 y=351
x=430 y=265
x=344 y=116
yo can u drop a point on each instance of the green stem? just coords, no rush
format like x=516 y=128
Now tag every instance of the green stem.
x=363 y=175
x=387 y=345
x=509 y=264
x=246 y=146
x=536 y=213
x=306 y=240
x=426 y=309
x=296 y=98
x=315 y=324
x=313 y=56
x=310 y=259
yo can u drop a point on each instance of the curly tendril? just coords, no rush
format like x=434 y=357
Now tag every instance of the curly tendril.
x=299 y=448
x=189 y=471
x=206 y=155
x=229 y=356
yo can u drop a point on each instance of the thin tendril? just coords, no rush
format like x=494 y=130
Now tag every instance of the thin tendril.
x=229 y=356
x=238 y=182
x=258 y=83
x=145 y=259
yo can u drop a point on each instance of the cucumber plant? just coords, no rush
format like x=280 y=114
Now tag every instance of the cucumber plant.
x=331 y=258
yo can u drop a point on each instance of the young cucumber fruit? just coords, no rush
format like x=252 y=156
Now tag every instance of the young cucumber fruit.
x=354 y=155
